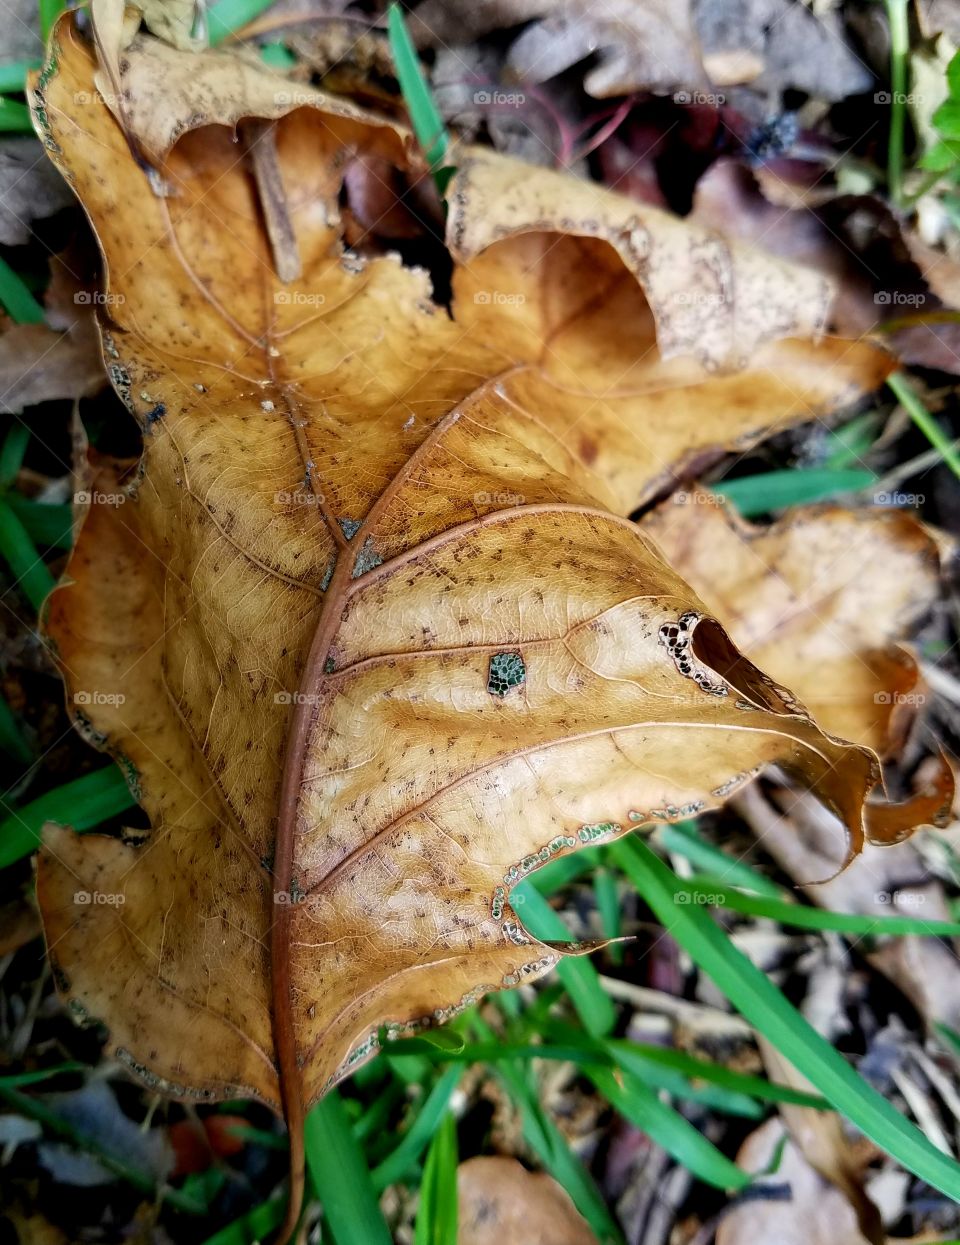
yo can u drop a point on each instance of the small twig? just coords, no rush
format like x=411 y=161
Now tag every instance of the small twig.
x=260 y=140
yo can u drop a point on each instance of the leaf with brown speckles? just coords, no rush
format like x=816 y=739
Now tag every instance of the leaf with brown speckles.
x=368 y=622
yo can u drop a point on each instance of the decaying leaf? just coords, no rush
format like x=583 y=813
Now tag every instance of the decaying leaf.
x=822 y=1141
x=802 y=837
x=366 y=625
x=822 y=601
x=499 y=1200
x=29 y=189
x=59 y=358
x=660 y=45
x=813 y=1212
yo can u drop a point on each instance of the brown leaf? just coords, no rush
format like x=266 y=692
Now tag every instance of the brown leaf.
x=367 y=626
x=642 y=47
x=59 y=358
x=29 y=189
x=499 y=1201
x=798 y=49
x=935 y=16
x=823 y=1142
x=802 y=837
x=813 y=1213
x=820 y=601
x=659 y=45
x=38 y=364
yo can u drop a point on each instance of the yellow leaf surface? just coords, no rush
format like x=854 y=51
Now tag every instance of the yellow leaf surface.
x=367 y=624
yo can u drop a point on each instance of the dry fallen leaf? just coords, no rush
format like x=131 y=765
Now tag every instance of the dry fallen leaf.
x=813 y=1212
x=500 y=1201
x=56 y=359
x=660 y=45
x=29 y=189
x=822 y=1141
x=821 y=600
x=367 y=626
x=802 y=837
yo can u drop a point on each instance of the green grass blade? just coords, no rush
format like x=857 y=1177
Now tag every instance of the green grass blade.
x=83 y=804
x=277 y=56
x=12 y=742
x=19 y=303
x=776 y=490
x=340 y=1176
x=11 y=454
x=48 y=523
x=924 y=420
x=13 y=76
x=576 y=972
x=637 y=1056
x=684 y=839
x=424 y=115
x=14 y=117
x=259 y=1137
x=642 y=1106
x=608 y=907
x=712 y=892
x=762 y=1004
x=437 y=1212
x=949 y=1037
x=848 y=445
x=17 y=1080
x=30 y=571
x=404 y=1158
x=50 y=10
x=228 y=16
x=252 y=1228
x=565 y=870
x=548 y=1144
x=644 y=1059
